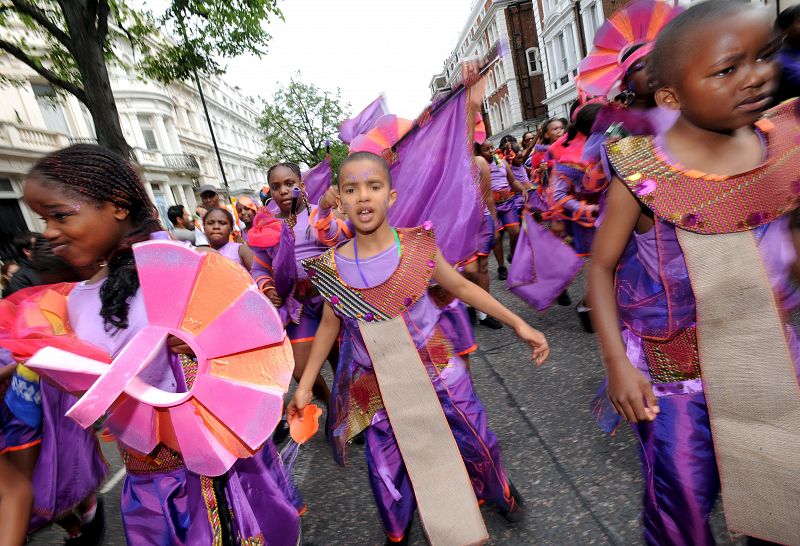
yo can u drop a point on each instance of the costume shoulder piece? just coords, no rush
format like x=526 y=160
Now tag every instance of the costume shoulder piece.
x=389 y=299
x=704 y=203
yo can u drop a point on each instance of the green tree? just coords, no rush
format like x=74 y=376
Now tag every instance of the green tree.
x=298 y=122
x=71 y=43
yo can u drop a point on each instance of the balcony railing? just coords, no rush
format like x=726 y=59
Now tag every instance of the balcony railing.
x=23 y=137
x=82 y=140
x=174 y=162
x=181 y=162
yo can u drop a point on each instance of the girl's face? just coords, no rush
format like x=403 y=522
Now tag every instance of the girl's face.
x=80 y=232
x=365 y=194
x=487 y=150
x=637 y=78
x=731 y=76
x=518 y=158
x=217 y=228
x=281 y=182
x=554 y=131
x=527 y=139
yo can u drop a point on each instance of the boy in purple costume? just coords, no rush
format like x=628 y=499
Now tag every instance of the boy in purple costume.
x=642 y=292
x=366 y=195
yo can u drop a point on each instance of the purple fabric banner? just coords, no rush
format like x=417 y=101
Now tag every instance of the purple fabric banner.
x=543 y=266
x=435 y=181
x=318 y=180
x=364 y=121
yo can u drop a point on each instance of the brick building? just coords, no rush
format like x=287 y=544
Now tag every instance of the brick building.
x=514 y=98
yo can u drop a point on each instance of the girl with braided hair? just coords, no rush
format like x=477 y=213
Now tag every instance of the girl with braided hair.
x=96 y=208
x=280 y=241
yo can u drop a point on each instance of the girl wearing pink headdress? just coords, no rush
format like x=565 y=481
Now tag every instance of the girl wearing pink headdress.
x=246 y=210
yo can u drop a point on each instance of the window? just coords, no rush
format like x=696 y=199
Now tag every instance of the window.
x=534 y=64
x=87 y=118
x=52 y=111
x=149 y=134
x=591 y=21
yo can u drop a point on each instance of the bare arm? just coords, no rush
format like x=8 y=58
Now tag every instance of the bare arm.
x=474 y=296
x=246 y=256
x=7 y=371
x=627 y=387
x=326 y=336
x=486 y=184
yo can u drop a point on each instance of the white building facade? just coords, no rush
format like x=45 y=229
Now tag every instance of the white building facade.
x=165 y=125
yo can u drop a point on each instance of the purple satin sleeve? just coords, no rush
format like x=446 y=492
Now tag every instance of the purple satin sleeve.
x=561 y=190
x=262 y=267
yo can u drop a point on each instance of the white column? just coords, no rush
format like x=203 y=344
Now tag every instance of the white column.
x=137 y=131
x=163 y=136
x=182 y=196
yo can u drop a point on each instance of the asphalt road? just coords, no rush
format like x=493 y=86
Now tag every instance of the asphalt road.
x=580 y=486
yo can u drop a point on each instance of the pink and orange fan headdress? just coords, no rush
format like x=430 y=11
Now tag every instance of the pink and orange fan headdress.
x=625 y=38
x=244 y=363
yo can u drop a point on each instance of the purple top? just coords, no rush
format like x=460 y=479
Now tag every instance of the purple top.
x=231 y=251
x=84 y=314
x=520 y=173
x=499 y=176
x=655 y=297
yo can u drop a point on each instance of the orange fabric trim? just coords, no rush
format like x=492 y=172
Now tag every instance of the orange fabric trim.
x=472 y=259
x=22 y=447
x=469 y=351
x=302 y=340
x=262 y=262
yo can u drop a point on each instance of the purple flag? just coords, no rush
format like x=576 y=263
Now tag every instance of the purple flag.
x=435 y=181
x=363 y=122
x=543 y=265
x=318 y=180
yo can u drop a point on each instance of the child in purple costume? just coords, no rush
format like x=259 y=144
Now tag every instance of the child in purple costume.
x=277 y=270
x=506 y=191
x=218 y=227
x=641 y=290
x=93 y=217
x=386 y=255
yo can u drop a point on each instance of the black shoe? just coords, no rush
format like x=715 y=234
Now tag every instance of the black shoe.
x=92 y=532
x=586 y=321
x=281 y=432
x=358 y=439
x=473 y=315
x=502 y=272
x=517 y=511
x=564 y=300
x=491 y=322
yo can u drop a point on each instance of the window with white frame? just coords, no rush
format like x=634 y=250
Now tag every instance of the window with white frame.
x=148 y=132
x=592 y=19
x=51 y=108
x=534 y=62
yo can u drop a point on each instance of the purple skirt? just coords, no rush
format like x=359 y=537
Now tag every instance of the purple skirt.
x=70 y=465
x=179 y=507
x=681 y=482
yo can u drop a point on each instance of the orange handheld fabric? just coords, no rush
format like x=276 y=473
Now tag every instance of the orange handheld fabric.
x=303 y=431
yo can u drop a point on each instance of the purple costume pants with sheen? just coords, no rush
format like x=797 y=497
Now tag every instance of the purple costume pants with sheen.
x=681 y=482
x=390 y=483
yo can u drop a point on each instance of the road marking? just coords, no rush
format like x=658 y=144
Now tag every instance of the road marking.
x=112 y=483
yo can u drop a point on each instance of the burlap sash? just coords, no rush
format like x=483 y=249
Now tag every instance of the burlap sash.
x=750 y=385
x=445 y=498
